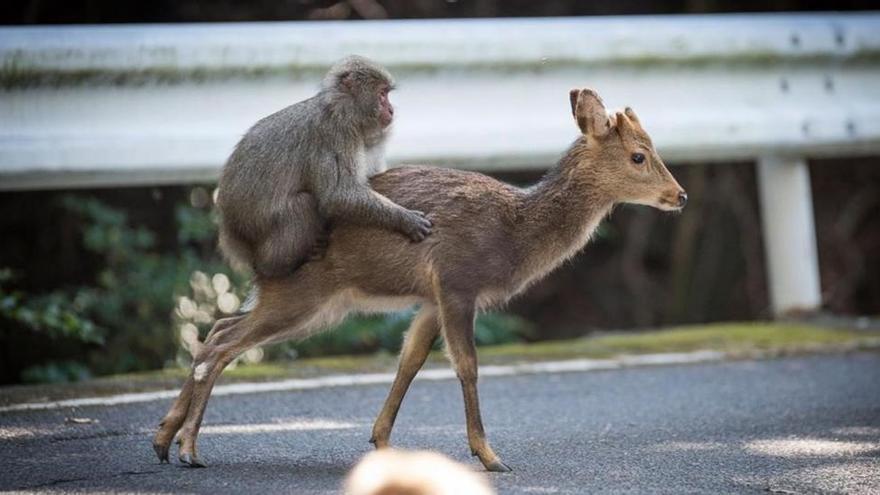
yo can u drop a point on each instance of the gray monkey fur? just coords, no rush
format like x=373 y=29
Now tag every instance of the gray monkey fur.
x=304 y=168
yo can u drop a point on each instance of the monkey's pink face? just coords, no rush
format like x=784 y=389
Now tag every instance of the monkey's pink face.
x=386 y=110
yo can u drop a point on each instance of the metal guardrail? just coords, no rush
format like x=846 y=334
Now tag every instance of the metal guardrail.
x=89 y=106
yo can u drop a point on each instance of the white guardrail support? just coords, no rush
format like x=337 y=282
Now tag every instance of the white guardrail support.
x=789 y=232
x=91 y=106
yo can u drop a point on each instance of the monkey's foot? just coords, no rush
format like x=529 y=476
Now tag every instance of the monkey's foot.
x=161 y=451
x=319 y=248
x=497 y=466
x=190 y=460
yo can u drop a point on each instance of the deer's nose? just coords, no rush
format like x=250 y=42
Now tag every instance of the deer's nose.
x=682 y=199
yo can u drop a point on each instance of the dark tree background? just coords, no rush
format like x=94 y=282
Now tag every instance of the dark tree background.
x=114 y=11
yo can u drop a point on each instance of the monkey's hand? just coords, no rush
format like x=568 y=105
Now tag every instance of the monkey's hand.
x=416 y=225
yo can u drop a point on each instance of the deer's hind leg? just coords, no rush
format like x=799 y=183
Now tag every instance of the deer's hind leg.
x=457 y=316
x=173 y=420
x=417 y=344
x=207 y=367
x=295 y=320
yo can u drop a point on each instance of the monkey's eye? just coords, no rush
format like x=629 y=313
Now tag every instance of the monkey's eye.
x=638 y=158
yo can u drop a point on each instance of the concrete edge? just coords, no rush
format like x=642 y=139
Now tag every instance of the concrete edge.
x=360 y=379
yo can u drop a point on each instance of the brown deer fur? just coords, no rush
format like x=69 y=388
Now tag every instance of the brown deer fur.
x=490 y=241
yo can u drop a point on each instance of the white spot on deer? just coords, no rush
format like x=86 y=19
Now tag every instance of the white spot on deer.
x=200 y=371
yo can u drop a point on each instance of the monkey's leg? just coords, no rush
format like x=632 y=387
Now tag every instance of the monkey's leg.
x=172 y=421
x=457 y=316
x=417 y=344
x=297 y=227
x=319 y=249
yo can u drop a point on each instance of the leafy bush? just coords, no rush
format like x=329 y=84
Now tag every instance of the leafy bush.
x=146 y=306
x=121 y=322
x=55 y=372
x=53 y=314
x=363 y=334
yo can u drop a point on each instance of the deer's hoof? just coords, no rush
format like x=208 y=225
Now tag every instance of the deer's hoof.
x=190 y=460
x=379 y=444
x=497 y=466
x=161 y=452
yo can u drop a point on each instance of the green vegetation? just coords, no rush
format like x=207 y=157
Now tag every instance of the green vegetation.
x=734 y=339
x=122 y=321
x=737 y=340
x=385 y=333
x=51 y=314
x=147 y=303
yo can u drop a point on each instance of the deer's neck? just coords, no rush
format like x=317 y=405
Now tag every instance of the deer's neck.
x=560 y=213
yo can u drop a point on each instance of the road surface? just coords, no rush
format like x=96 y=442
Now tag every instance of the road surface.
x=794 y=425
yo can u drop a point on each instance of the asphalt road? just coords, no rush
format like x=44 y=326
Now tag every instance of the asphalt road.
x=797 y=425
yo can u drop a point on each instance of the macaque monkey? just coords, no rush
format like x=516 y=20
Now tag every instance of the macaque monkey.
x=305 y=168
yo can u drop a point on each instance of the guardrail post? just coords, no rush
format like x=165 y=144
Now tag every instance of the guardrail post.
x=789 y=234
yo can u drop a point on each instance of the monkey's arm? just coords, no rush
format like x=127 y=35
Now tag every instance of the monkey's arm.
x=342 y=197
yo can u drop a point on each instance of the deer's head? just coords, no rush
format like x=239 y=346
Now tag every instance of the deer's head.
x=618 y=155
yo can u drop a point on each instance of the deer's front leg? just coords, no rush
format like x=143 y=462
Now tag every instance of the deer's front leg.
x=417 y=344
x=457 y=316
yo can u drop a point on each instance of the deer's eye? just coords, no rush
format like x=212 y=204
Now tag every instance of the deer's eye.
x=638 y=158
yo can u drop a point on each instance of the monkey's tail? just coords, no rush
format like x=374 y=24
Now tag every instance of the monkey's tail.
x=237 y=253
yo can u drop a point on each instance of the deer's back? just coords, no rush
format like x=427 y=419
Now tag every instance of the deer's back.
x=452 y=196
x=472 y=245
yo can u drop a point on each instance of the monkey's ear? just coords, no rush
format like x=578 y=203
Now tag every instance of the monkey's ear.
x=347 y=81
x=589 y=112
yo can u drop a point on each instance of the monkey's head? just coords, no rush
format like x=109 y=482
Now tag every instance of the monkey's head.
x=367 y=84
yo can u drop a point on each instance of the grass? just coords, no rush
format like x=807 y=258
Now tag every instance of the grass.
x=737 y=340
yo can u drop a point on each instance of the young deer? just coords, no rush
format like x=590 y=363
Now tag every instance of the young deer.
x=490 y=241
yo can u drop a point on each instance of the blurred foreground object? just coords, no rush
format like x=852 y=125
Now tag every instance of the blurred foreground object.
x=397 y=472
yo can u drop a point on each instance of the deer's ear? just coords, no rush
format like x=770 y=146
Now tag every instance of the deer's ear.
x=573 y=98
x=589 y=112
